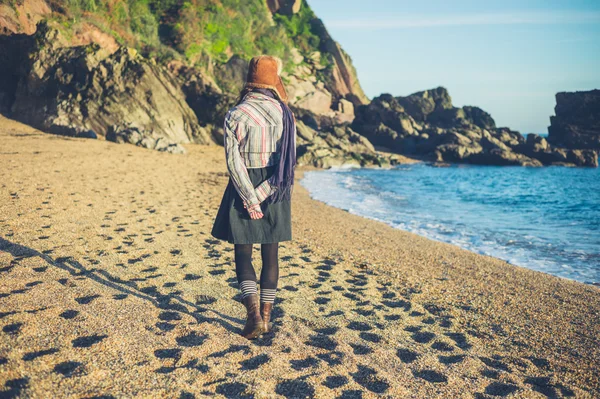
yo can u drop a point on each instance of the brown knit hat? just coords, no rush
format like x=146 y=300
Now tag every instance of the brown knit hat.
x=264 y=73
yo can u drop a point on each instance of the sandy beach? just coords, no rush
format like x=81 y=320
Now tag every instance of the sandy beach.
x=111 y=286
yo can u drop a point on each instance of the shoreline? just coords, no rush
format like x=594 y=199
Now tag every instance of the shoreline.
x=112 y=285
x=591 y=283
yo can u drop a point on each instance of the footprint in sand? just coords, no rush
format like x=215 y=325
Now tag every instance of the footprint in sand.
x=12 y=329
x=87 y=341
x=327 y=330
x=459 y=339
x=29 y=356
x=371 y=337
x=500 y=389
x=69 y=368
x=430 y=375
x=172 y=353
x=233 y=390
x=406 y=355
x=335 y=381
x=367 y=377
x=84 y=300
x=255 y=362
x=495 y=364
x=423 y=337
x=299 y=365
x=452 y=359
x=231 y=349
x=191 y=340
x=442 y=346
x=295 y=389
x=322 y=341
x=322 y=300
x=333 y=358
x=359 y=326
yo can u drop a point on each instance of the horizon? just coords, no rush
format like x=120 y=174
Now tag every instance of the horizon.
x=509 y=59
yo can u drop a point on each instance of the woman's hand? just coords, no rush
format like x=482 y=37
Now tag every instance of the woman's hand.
x=255 y=212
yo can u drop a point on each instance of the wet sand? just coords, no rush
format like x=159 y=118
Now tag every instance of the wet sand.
x=110 y=284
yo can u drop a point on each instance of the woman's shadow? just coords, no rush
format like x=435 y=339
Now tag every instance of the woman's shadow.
x=167 y=302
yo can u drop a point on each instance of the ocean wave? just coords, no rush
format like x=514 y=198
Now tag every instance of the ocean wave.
x=492 y=211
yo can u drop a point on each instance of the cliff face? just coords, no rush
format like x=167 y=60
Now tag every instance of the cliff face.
x=160 y=72
x=217 y=37
x=156 y=73
x=577 y=120
x=76 y=91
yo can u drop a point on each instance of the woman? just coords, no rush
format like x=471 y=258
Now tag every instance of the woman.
x=260 y=150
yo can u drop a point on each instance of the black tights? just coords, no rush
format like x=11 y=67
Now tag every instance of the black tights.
x=244 y=270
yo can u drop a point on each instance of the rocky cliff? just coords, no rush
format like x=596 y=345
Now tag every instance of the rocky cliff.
x=427 y=124
x=217 y=37
x=158 y=73
x=76 y=91
x=577 y=120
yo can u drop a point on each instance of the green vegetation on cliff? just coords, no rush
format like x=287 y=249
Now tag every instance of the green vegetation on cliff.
x=199 y=31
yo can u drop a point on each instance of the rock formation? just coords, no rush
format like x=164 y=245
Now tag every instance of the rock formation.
x=22 y=16
x=426 y=123
x=323 y=81
x=287 y=7
x=577 y=120
x=337 y=146
x=133 y=134
x=73 y=90
x=177 y=87
x=343 y=81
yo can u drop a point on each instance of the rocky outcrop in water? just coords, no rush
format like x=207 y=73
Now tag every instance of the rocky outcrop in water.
x=75 y=90
x=577 y=120
x=426 y=123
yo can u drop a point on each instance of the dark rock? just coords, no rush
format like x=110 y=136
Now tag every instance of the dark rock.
x=421 y=104
x=501 y=157
x=339 y=146
x=204 y=97
x=537 y=147
x=286 y=7
x=232 y=75
x=14 y=50
x=577 y=121
x=132 y=134
x=583 y=157
x=479 y=117
x=340 y=79
x=75 y=90
x=426 y=124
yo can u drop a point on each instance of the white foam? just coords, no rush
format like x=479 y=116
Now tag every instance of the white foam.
x=337 y=187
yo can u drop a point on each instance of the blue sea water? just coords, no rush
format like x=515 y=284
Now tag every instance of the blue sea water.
x=546 y=219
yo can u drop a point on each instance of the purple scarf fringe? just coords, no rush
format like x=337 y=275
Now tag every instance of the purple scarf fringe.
x=283 y=178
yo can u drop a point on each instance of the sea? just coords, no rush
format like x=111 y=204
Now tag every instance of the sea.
x=546 y=219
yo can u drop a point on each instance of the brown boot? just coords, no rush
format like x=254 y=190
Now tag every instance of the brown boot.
x=265 y=313
x=254 y=322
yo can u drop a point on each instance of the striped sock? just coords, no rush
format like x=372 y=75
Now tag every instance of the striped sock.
x=248 y=287
x=267 y=294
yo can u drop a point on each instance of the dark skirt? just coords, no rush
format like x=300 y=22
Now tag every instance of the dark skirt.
x=233 y=223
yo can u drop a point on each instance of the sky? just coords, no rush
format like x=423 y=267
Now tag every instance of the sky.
x=507 y=57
